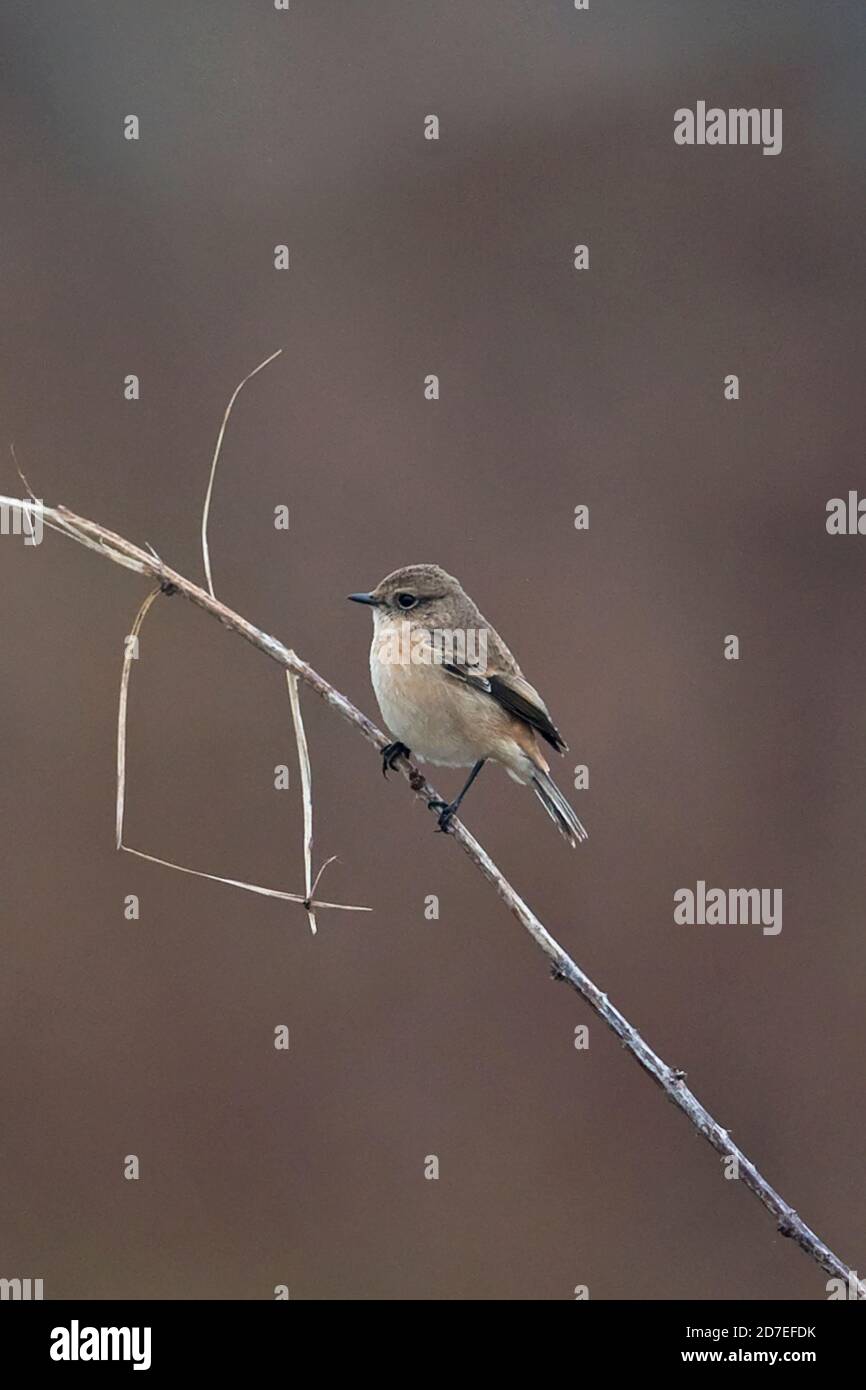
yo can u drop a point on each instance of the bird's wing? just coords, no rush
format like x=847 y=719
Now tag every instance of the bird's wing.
x=515 y=694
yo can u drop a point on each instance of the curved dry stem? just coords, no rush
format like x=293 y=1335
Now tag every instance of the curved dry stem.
x=213 y=467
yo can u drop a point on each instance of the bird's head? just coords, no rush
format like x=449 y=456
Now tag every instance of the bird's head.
x=422 y=594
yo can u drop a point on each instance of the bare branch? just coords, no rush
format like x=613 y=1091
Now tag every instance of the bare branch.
x=669 y=1080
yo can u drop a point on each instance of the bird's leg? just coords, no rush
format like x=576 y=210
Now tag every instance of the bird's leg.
x=390 y=753
x=447 y=809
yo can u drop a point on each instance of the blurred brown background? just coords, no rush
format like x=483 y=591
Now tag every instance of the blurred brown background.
x=411 y=1037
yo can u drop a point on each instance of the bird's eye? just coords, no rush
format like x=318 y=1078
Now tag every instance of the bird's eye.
x=406 y=600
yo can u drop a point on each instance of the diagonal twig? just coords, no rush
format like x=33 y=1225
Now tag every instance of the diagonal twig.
x=239 y=883
x=668 y=1079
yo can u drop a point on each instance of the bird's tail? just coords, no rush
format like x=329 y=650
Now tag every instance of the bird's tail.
x=557 y=807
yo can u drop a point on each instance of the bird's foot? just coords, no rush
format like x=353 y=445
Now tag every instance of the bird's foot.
x=446 y=810
x=390 y=753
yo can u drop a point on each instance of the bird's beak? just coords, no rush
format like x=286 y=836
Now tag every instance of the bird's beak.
x=364 y=598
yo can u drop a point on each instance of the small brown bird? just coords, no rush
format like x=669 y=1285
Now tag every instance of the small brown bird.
x=451 y=692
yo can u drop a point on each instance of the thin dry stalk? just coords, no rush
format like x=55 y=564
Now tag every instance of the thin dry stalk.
x=207 y=501
x=239 y=883
x=130 y=654
x=306 y=789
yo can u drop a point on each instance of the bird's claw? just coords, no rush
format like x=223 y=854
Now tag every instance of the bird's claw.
x=390 y=753
x=446 y=810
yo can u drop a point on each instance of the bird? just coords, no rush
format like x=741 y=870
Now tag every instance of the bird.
x=452 y=694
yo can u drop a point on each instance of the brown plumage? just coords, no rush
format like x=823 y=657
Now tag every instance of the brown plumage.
x=451 y=691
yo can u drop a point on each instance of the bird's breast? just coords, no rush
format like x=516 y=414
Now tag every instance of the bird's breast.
x=424 y=707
